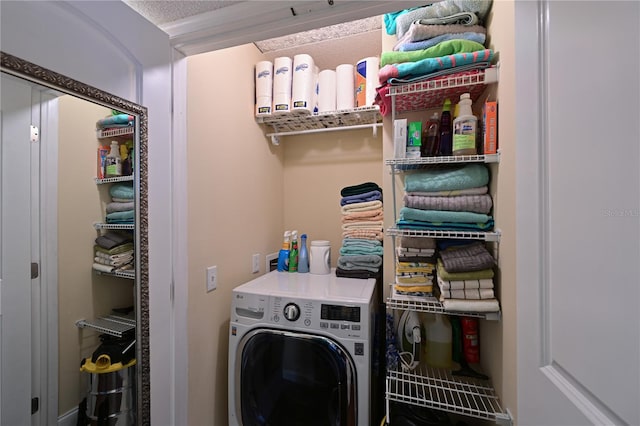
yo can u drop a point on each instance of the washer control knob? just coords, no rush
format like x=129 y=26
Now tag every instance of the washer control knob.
x=291 y=312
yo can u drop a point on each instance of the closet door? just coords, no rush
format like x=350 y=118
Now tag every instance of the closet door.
x=578 y=203
x=15 y=267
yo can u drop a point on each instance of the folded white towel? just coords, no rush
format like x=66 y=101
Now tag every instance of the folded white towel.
x=466 y=284
x=361 y=207
x=475 y=294
x=102 y=268
x=375 y=225
x=464 y=305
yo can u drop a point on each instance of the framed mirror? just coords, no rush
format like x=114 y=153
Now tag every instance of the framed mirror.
x=18 y=68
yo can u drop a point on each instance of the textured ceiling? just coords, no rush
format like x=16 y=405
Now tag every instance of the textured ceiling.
x=161 y=12
x=362 y=36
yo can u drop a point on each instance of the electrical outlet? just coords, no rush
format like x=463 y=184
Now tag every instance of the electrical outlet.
x=255 y=263
x=212 y=278
x=271 y=262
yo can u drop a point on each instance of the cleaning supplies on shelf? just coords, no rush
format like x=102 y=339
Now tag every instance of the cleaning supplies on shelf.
x=113 y=161
x=470 y=341
x=445 y=129
x=465 y=128
x=293 y=252
x=430 y=137
x=303 y=255
x=283 y=255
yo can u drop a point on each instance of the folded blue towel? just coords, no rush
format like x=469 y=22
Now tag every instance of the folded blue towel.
x=425 y=44
x=127 y=216
x=122 y=191
x=445 y=226
x=360 y=241
x=361 y=250
x=409 y=213
x=361 y=198
x=465 y=177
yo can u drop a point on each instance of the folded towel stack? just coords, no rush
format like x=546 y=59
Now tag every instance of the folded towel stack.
x=113 y=251
x=362 y=231
x=415 y=266
x=121 y=209
x=451 y=199
x=115 y=120
x=438 y=40
x=465 y=277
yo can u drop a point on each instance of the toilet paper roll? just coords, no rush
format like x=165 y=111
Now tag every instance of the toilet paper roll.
x=326 y=91
x=303 y=85
x=345 y=85
x=264 y=87
x=366 y=81
x=282 y=76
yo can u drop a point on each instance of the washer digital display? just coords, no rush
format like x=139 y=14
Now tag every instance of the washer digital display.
x=340 y=313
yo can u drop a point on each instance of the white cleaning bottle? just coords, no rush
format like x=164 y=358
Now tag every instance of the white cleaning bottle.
x=113 y=161
x=465 y=128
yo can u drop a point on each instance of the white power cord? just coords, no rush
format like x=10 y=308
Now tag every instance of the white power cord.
x=411 y=363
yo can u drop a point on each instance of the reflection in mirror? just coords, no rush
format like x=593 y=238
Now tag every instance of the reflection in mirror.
x=86 y=302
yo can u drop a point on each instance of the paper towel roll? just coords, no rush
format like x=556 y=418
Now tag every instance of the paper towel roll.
x=303 y=86
x=345 y=85
x=366 y=81
x=326 y=91
x=282 y=75
x=264 y=87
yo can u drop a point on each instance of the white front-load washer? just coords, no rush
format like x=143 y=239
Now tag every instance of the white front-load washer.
x=301 y=350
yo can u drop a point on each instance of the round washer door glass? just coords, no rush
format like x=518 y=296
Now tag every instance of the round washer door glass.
x=288 y=378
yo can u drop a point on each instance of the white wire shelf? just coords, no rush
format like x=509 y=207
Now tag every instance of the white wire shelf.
x=428 y=94
x=114 y=325
x=490 y=236
x=115 y=132
x=100 y=181
x=430 y=304
x=128 y=274
x=296 y=123
x=441 y=390
x=429 y=162
x=100 y=225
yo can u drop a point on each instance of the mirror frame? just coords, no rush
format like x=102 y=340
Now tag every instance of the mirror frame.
x=45 y=77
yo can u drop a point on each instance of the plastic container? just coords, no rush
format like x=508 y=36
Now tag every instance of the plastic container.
x=439 y=338
x=445 y=147
x=293 y=252
x=113 y=162
x=303 y=255
x=430 y=137
x=320 y=257
x=465 y=128
x=470 y=341
x=283 y=255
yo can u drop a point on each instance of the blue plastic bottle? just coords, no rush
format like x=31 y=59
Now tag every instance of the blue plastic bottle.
x=283 y=255
x=303 y=255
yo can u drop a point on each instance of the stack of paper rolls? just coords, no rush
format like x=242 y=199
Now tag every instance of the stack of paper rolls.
x=282 y=76
x=264 y=87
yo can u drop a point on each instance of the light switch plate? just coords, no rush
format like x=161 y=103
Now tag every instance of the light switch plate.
x=212 y=278
x=255 y=263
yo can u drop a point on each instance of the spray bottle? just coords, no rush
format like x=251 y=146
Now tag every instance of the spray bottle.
x=293 y=253
x=283 y=255
x=303 y=256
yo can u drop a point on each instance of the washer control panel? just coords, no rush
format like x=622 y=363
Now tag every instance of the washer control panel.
x=339 y=320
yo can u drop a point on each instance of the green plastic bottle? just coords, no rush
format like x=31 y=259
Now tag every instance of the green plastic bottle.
x=293 y=252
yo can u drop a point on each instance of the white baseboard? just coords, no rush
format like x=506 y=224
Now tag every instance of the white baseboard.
x=70 y=418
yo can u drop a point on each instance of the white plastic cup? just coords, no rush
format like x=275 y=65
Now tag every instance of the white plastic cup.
x=320 y=257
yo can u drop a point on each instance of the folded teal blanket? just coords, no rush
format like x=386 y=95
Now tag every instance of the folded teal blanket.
x=469 y=176
x=408 y=213
x=127 y=216
x=445 y=226
x=119 y=119
x=429 y=65
x=425 y=44
x=122 y=190
x=361 y=249
x=448 y=47
x=360 y=241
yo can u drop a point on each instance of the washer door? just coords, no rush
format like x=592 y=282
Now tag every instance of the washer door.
x=287 y=378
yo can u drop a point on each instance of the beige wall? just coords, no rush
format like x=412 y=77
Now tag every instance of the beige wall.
x=81 y=293
x=243 y=193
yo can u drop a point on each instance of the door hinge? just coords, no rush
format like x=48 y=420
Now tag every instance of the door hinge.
x=35 y=133
x=34 y=270
x=35 y=405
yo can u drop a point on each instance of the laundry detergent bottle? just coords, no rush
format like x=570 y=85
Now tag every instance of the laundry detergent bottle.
x=283 y=255
x=439 y=339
